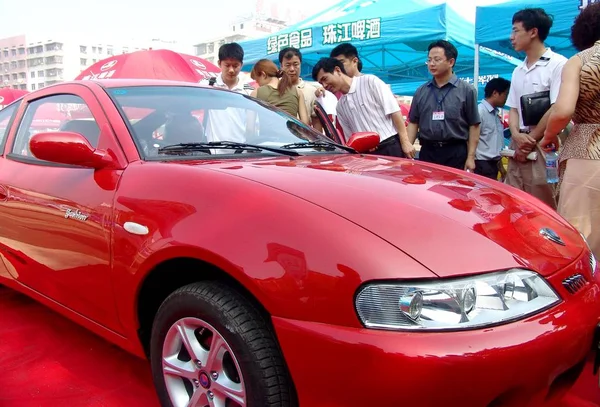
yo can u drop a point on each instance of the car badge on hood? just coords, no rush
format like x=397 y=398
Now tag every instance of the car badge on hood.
x=552 y=236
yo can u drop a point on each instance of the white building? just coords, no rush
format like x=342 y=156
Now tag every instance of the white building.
x=45 y=60
x=252 y=26
x=13 y=63
x=268 y=16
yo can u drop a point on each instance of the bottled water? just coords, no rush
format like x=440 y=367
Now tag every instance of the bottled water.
x=552 y=167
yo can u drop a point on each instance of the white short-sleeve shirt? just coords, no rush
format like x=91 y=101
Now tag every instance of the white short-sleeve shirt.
x=308 y=91
x=227 y=124
x=368 y=106
x=544 y=75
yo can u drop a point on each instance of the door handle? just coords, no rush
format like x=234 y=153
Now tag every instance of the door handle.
x=3 y=193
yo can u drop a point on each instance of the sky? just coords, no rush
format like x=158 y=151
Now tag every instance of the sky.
x=182 y=20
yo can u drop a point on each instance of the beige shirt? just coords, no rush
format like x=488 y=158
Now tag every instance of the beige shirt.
x=308 y=91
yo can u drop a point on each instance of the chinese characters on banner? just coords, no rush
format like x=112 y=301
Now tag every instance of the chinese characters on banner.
x=359 y=30
x=356 y=30
x=483 y=79
x=296 y=39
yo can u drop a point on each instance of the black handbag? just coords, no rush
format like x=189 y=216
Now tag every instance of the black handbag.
x=534 y=106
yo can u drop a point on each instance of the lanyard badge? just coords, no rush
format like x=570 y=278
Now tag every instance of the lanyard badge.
x=438 y=114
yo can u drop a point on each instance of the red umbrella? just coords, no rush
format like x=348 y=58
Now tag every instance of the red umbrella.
x=48 y=116
x=152 y=64
x=8 y=95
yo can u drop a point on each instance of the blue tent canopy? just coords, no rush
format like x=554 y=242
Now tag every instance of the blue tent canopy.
x=494 y=24
x=409 y=88
x=392 y=39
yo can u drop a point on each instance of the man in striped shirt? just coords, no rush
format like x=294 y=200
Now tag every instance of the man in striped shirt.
x=347 y=54
x=367 y=104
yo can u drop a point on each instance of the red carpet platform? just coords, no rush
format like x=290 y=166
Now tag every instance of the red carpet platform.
x=48 y=361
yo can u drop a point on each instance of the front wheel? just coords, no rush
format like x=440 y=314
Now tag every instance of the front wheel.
x=211 y=347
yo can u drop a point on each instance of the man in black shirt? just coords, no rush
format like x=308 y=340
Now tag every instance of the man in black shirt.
x=444 y=111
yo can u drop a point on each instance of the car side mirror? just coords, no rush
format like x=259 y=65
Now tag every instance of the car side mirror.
x=69 y=148
x=363 y=142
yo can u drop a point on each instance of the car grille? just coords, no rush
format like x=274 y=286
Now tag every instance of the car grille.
x=574 y=283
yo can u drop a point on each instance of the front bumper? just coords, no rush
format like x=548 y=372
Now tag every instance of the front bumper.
x=525 y=363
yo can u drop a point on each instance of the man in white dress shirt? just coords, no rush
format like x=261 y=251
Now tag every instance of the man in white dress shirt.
x=367 y=104
x=540 y=71
x=228 y=124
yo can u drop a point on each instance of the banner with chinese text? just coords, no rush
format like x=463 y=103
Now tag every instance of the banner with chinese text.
x=392 y=40
x=328 y=35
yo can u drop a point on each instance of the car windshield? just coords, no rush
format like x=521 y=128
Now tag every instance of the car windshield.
x=170 y=122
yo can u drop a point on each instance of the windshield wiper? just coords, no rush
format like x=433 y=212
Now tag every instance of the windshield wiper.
x=325 y=145
x=232 y=145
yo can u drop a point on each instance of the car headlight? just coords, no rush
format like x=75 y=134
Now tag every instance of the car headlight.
x=463 y=303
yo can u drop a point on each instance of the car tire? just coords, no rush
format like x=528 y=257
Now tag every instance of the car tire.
x=247 y=367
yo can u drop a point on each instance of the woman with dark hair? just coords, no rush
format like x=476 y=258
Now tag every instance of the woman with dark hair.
x=276 y=88
x=579 y=100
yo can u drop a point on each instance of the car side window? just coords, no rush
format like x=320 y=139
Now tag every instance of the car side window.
x=55 y=113
x=5 y=115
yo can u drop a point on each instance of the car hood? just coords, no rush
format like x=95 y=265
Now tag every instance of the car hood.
x=452 y=222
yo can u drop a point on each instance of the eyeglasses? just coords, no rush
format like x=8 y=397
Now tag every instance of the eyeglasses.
x=434 y=61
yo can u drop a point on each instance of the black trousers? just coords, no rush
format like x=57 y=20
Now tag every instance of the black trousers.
x=449 y=153
x=390 y=147
x=487 y=168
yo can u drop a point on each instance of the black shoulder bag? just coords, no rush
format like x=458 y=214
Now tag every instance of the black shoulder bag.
x=534 y=106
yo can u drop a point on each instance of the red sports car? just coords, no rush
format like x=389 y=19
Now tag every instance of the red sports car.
x=257 y=263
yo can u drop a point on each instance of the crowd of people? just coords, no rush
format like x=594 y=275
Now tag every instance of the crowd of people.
x=452 y=127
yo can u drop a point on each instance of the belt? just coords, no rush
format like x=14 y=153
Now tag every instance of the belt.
x=489 y=159
x=442 y=143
